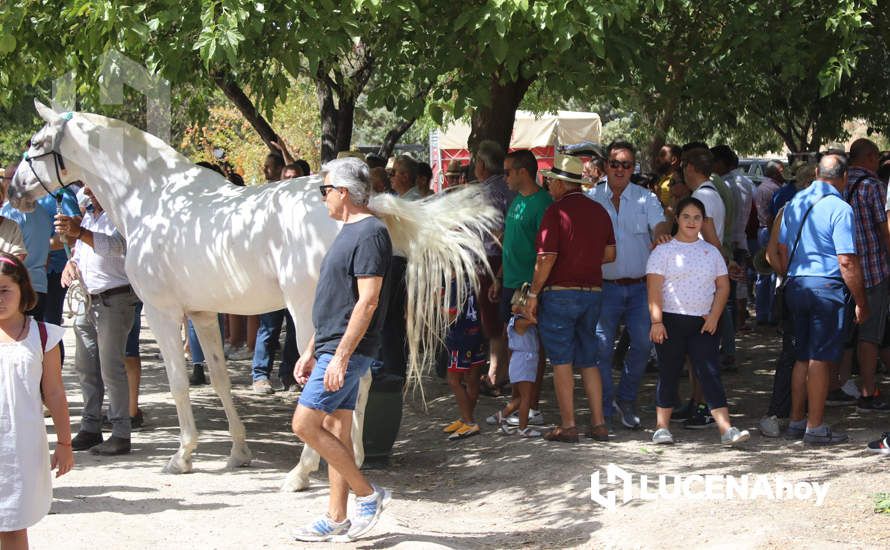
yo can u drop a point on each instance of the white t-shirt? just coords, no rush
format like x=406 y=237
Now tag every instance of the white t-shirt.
x=714 y=208
x=690 y=271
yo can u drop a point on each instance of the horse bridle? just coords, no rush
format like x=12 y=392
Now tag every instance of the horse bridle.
x=58 y=160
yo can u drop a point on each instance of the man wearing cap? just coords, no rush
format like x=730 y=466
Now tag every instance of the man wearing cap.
x=575 y=239
x=637 y=217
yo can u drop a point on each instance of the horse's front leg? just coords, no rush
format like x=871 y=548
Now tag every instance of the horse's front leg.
x=207 y=327
x=166 y=329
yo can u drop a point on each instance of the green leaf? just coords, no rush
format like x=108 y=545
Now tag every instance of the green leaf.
x=7 y=43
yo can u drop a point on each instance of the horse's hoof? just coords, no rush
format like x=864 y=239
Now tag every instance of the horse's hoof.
x=295 y=484
x=240 y=457
x=238 y=462
x=178 y=465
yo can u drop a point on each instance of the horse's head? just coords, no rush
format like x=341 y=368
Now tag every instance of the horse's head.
x=42 y=169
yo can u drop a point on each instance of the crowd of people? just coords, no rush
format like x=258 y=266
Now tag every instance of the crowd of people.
x=612 y=268
x=594 y=266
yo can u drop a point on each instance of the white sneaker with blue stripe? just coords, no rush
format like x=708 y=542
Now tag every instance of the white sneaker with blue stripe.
x=367 y=511
x=322 y=530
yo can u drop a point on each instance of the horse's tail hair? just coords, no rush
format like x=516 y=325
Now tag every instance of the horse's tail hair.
x=442 y=239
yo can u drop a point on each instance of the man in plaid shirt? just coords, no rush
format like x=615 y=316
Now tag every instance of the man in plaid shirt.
x=865 y=193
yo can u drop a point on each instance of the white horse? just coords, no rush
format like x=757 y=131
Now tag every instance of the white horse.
x=197 y=245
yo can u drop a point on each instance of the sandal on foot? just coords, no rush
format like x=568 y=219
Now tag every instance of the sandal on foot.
x=529 y=432
x=563 y=435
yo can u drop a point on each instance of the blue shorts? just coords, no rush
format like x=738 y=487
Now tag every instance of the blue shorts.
x=567 y=326
x=132 y=349
x=817 y=306
x=314 y=396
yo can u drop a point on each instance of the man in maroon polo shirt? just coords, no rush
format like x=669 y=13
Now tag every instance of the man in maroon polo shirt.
x=575 y=239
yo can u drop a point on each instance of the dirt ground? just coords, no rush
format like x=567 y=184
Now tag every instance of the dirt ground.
x=490 y=491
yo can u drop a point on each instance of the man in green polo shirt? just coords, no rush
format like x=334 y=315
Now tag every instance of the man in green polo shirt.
x=519 y=254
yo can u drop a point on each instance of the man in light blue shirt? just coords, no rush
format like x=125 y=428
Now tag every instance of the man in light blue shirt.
x=816 y=244
x=637 y=218
x=37 y=229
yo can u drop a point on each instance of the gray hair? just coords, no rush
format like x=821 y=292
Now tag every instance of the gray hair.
x=350 y=174
x=773 y=170
x=832 y=167
x=491 y=155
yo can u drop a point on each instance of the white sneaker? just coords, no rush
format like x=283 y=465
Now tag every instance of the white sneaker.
x=367 y=511
x=535 y=418
x=769 y=426
x=662 y=436
x=322 y=530
x=733 y=436
x=850 y=389
x=495 y=419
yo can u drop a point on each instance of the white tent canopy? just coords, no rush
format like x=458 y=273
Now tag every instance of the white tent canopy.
x=531 y=131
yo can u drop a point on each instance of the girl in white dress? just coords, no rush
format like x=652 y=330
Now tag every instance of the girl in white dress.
x=27 y=372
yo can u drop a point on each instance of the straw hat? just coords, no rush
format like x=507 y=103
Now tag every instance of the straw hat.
x=351 y=154
x=454 y=168
x=567 y=168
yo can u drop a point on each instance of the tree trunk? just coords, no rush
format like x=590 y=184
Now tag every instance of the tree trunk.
x=328 y=121
x=243 y=103
x=345 y=121
x=393 y=137
x=495 y=120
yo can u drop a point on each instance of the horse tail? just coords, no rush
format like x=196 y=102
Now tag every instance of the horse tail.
x=442 y=239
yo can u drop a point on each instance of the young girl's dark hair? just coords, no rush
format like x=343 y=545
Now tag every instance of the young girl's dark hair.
x=691 y=201
x=12 y=267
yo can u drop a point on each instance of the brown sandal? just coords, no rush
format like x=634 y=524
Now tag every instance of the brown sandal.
x=563 y=435
x=600 y=432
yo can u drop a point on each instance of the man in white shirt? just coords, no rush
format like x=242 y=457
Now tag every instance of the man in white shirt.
x=101 y=330
x=637 y=216
x=697 y=165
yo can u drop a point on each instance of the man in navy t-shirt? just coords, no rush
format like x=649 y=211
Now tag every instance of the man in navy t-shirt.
x=347 y=325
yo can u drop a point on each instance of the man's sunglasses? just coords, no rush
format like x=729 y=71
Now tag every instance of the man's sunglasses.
x=627 y=165
x=325 y=188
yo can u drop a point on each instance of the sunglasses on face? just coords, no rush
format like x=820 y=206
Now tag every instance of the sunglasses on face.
x=324 y=189
x=627 y=165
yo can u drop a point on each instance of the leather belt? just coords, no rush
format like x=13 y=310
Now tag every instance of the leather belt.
x=626 y=281
x=112 y=292
x=582 y=288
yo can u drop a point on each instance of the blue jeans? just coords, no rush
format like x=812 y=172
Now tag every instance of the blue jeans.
x=195 y=345
x=267 y=344
x=567 y=326
x=765 y=287
x=819 y=305
x=630 y=303
x=727 y=323
x=314 y=396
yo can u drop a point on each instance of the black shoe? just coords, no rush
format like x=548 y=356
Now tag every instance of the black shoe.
x=872 y=404
x=137 y=421
x=700 y=419
x=839 y=398
x=114 y=446
x=84 y=440
x=828 y=438
x=793 y=433
x=681 y=414
x=197 y=378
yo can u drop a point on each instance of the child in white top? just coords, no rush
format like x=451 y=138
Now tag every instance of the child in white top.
x=688 y=286
x=30 y=368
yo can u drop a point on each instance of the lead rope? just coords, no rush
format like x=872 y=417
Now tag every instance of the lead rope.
x=77 y=292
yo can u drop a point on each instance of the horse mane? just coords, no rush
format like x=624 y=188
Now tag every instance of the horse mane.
x=441 y=236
